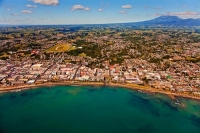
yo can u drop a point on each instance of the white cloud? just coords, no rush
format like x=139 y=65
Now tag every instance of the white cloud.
x=8 y=9
x=47 y=2
x=26 y=11
x=127 y=6
x=186 y=14
x=28 y=19
x=6 y=20
x=100 y=10
x=31 y=6
x=184 y=6
x=158 y=8
x=14 y=14
x=123 y=12
x=14 y=20
x=87 y=9
x=104 y=5
x=79 y=7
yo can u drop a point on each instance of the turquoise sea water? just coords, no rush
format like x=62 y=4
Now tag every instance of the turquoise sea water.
x=86 y=109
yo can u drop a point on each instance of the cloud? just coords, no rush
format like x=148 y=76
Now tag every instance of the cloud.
x=47 y=2
x=79 y=7
x=123 y=12
x=126 y=6
x=186 y=14
x=31 y=6
x=14 y=20
x=100 y=10
x=104 y=5
x=146 y=7
x=14 y=14
x=6 y=20
x=184 y=6
x=87 y=9
x=158 y=8
x=8 y=9
x=27 y=11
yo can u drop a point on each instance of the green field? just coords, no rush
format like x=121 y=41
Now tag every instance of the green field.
x=110 y=43
x=82 y=55
x=59 y=48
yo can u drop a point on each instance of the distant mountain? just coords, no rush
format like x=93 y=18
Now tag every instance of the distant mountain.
x=170 y=21
x=161 y=21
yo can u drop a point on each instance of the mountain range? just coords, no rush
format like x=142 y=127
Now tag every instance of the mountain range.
x=170 y=21
x=159 y=21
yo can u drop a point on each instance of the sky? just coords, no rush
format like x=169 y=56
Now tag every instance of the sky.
x=93 y=11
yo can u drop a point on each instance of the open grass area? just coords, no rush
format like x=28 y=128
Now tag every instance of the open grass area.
x=4 y=55
x=82 y=55
x=110 y=43
x=59 y=48
x=72 y=48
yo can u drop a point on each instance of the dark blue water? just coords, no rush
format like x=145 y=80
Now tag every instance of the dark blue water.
x=74 y=109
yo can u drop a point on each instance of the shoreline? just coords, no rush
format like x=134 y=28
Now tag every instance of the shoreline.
x=172 y=95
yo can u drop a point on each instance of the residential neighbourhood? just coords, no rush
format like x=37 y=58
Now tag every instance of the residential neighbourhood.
x=158 y=58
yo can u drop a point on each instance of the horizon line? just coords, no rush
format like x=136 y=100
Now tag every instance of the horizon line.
x=94 y=23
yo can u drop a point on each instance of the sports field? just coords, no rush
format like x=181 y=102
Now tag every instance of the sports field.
x=59 y=48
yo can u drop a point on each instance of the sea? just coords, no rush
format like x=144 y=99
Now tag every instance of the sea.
x=90 y=109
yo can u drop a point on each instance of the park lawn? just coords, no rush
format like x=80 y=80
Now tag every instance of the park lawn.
x=110 y=43
x=4 y=55
x=59 y=48
x=82 y=55
x=68 y=61
x=72 y=48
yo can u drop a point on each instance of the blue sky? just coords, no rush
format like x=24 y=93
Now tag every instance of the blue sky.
x=93 y=11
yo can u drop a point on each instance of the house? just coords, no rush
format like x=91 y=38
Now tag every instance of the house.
x=31 y=82
x=36 y=66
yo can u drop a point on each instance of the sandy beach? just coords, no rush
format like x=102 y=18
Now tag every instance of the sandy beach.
x=129 y=86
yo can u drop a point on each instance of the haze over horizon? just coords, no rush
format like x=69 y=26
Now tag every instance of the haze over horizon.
x=93 y=11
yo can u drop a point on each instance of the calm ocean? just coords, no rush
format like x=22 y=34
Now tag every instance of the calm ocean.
x=86 y=109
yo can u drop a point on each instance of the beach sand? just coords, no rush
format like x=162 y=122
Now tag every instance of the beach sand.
x=130 y=86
